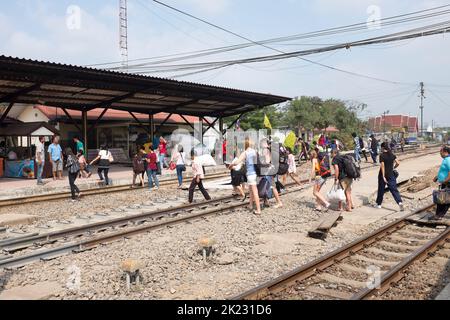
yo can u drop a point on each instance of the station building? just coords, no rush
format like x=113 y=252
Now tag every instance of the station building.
x=113 y=108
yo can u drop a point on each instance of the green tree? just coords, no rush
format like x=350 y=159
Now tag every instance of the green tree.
x=255 y=119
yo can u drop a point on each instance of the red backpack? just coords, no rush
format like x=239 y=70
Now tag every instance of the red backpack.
x=324 y=163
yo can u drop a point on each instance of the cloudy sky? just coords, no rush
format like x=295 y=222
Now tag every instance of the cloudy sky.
x=46 y=30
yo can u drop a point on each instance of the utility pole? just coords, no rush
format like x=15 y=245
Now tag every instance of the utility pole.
x=123 y=32
x=422 y=96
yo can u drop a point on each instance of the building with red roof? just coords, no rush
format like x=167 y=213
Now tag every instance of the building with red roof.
x=392 y=122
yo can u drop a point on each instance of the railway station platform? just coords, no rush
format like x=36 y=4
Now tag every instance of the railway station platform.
x=118 y=175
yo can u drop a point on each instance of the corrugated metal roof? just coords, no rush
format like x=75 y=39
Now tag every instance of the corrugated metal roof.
x=75 y=87
x=25 y=129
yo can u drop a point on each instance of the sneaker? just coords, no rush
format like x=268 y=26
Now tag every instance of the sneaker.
x=155 y=188
x=402 y=207
x=377 y=206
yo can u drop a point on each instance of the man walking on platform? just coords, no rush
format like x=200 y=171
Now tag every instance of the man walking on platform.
x=78 y=145
x=56 y=158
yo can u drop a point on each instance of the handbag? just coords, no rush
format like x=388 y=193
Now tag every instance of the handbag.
x=441 y=196
x=336 y=193
x=183 y=168
x=172 y=165
x=110 y=157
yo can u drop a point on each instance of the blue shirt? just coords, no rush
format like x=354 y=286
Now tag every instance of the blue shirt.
x=55 y=152
x=250 y=161
x=444 y=170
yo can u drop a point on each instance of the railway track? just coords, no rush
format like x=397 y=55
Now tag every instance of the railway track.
x=57 y=240
x=92 y=192
x=128 y=187
x=363 y=269
x=47 y=246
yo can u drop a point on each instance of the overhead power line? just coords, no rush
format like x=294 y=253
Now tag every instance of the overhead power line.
x=274 y=49
x=213 y=65
x=389 y=21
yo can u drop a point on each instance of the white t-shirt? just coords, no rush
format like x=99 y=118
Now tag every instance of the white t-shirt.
x=291 y=162
x=181 y=159
x=237 y=167
x=40 y=151
x=104 y=154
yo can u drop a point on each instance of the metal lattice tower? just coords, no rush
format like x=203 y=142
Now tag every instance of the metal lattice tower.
x=123 y=32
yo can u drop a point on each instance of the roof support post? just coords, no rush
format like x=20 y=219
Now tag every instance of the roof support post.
x=151 y=123
x=140 y=123
x=222 y=132
x=8 y=109
x=84 y=119
x=199 y=130
x=72 y=120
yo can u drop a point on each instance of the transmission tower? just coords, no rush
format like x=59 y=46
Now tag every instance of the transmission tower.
x=123 y=32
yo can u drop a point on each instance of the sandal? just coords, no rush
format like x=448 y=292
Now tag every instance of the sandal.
x=256 y=213
x=245 y=198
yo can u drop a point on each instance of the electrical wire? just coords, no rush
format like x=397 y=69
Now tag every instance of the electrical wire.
x=277 y=50
x=331 y=31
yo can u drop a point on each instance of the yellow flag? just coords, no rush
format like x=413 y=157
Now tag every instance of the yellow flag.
x=290 y=140
x=267 y=122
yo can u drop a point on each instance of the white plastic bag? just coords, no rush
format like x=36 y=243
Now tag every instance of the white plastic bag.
x=206 y=160
x=336 y=193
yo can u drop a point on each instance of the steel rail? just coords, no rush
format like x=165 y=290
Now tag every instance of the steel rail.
x=79 y=246
x=18 y=243
x=88 y=192
x=113 y=189
x=396 y=273
x=310 y=269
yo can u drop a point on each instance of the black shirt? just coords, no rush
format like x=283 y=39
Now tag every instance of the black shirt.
x=388 y=158
x=338 y=160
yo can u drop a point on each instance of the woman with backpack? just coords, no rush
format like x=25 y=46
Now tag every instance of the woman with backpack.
x=388 y=176
x=249 y=157
x=270 y=175
x=104 y=159
x=73 y=168
x=319 y=173
x=138 y=168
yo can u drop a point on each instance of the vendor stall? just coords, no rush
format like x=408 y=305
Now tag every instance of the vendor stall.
x=18 y=145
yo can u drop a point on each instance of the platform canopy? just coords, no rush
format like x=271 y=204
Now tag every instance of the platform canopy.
x=84 y=89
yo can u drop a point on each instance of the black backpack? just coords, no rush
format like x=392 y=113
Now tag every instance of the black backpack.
x=263 y=188
x=361 y=143
x=73 y=165
x=351 y=167
x=283 y=166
